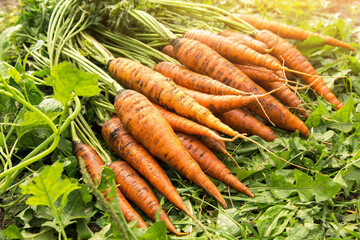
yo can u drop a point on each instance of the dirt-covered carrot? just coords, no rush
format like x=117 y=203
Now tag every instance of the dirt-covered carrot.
x=246 y=40
x=202 y=59
x=269 y=81
x=287 y=31
x=295 y=60
x=129 y=149
x=94 y=166
x=181 y=124
x=139 y=192
x=210 y=164
x=245 y=122
x=164 y=92
x=168 y=50
x=195 y=81
x=146 y=124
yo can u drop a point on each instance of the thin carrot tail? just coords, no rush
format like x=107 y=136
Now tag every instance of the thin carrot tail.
x=232 y=181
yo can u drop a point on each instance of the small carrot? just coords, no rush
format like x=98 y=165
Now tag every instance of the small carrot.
x=195 y=81
x=140 y=193
x=164 y=92
x=202 y=59
x=287 y=31
x=146 y=124
x=245 y=122
x=94 y=166
x=181 y=124
x=210 y=164
x=133 y=152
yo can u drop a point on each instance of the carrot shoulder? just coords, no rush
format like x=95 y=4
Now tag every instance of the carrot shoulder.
x=147 y=125
x=94 y=166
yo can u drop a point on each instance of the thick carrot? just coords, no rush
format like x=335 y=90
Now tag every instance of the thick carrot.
x=287 y=31
x=220 y=103
x=94 y=166
x=168 y=50
x=202 y=59
x=244 y=122
x=246 y=40
x=232 y=50
x=195 y=81
x=295 y=60
x=210 y=164
x=181 y=124
x=146 y=124
x=139 y=192
x=164 y=92
x=133 y=152
x=270 y=81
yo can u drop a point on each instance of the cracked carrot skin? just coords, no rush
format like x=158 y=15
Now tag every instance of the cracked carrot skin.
x=295 y=60
x=123 y=144
x=146 y=124
x=139 y=192
x=164 y=92
x=202 y=59
x=94 y=166
x=210 y=164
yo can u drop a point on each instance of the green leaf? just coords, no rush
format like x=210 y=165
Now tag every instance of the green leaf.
x=225 y=224
x=48 y=186
x=12 y=232
x=280 y=186
x=157 y=231
x=310 y=45
x=344 y=114
x=68 y=81
x=5 y=41
x=316 y=118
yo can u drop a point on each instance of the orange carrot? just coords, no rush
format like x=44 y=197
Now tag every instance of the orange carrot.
x=164 y=92
x=181 y=124
x=220 y=103
x=123 y=144
x=139 y=192
x=295 y=60
x=232 y=50
x=168 y=50
x=246 y=40
x=94 y=166
x=146 y=124
x=269 y=81
x=192 y=80
x=202 y=59
x=244 y=122
x=287 y=31
x=210 y=164
x=215 y=145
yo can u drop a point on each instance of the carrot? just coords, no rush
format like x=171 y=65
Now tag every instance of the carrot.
x=168 y=50
x=295 y=60
x=122 y=143
x=202 y=59
x=244 y=122
x=181 y=124
x=246 y=40
x=164 y=92
x=210 y=164
x=232 y=50
x=287 y=31
x=145 y=123
x=269 y=81
x=139 y=192
x=220 y=103
x=94 y=166
x=192 y=80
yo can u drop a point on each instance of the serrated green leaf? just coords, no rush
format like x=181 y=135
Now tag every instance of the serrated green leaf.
x=310 y=45
x=15 y=75
x=157 y=231
x=344 y=114
x=279 y=186
x=316 y=118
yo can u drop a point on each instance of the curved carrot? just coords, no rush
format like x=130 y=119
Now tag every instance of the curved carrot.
x=287 y=31
x=210 y=164
x=202 y=59
x=164 y=92
x=146 y=124
x=246 y=40
x=244 y=122
x=270 y=81
x=168 y=50
x=232 y=50
x=139 y=192
x=215 y=145
x=295 y=60
x=181 y=124
x=133 y=152
x=94 y=166
x=195 y=81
